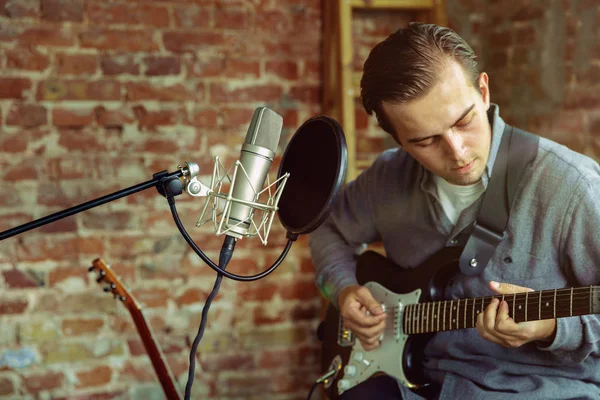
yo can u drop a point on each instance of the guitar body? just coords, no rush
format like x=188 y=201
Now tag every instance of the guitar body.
x=392 y=285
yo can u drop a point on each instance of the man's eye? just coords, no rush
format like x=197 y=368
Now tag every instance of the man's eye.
x=464 y=123
x=425 y=143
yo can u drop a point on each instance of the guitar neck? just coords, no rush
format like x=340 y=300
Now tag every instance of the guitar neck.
x=528 y=306
x=156 y=356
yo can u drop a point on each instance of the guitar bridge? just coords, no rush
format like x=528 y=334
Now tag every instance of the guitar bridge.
x=345 y=336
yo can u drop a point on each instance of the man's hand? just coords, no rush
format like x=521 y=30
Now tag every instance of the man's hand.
x=495 y=325
x=362 y=314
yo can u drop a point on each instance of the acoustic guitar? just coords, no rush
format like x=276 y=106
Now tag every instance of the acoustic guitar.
x=112 y=284
x=415 y=307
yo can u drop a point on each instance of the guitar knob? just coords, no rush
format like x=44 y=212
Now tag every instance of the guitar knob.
x=350 y=370
x=358 y=356
x=343 y=384
x=90 y=269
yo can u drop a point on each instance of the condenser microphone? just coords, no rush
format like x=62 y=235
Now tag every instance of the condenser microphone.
x=255 y=160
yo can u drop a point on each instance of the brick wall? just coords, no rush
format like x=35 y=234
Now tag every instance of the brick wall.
x=97 y=95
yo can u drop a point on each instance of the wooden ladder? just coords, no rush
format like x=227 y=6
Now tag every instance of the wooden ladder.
x=341 y=83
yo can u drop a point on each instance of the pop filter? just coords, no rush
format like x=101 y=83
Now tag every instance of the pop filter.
x=316 y=159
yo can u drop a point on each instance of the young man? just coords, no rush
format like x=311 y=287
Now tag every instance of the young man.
x=424 y=86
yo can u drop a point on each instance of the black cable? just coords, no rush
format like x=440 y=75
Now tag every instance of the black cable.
x=204 y=257
x=224 y=258
x=312 y=389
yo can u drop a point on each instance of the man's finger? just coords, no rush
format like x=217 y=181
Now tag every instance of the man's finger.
x=508 y=288
x=366 y=299
x=360 y=319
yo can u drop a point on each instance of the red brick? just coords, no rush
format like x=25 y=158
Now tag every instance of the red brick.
x=80 y=140
x=72 y=117
x=232 y=19
x=152 y=298
x=97 y=376
x=296 y=289
x=257 y=291
x=192 y=16
x=211 y=66
x=76 y=64
x=14 y=88
x=46 y=37
x=80 y=326
x=142 y=14
x=20 y=173
x=235 y=68
x=115 y=117
x=37 y=248
x=114 y=220
x=60 y=226
x=38 y=382
x=227 y=362
x=137 y=373
x=26 y=115
x=283 y=69
x=205 y=118
x=191 y=296
x=20 y=8
x=52 y=90
x=147 y=91
x=119 y=64
x=236 y=117
x=6 y=384
x=180 y=42
x=62 y=10
x=13 y=306
x=26 y=58
x=221 y=93
x=58 y=275
x=16 y=279
x=162 y=66
x=306 y=94
x=159 y=146
x=10 y=220
x=13 y=143
x=129 y=40
x=151 y=119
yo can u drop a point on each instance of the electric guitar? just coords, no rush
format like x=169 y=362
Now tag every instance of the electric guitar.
x=415 y=308
x=113 y=285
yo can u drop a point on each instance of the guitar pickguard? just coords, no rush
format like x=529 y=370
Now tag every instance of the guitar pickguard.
x=388 y=357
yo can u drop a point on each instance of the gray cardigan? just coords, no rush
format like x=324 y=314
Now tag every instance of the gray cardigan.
x=552 y=242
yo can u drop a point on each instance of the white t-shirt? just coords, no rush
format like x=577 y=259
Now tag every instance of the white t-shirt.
x=455 y=198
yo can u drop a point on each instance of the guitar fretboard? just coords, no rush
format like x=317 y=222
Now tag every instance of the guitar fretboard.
x=529 y=306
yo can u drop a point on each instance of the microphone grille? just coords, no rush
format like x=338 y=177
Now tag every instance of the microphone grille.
x=265 y=128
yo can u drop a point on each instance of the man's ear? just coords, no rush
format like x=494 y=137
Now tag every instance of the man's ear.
x=484 y=89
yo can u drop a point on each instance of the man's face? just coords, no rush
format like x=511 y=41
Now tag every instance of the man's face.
x=447 y=130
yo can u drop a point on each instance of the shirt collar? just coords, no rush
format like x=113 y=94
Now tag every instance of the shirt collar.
x=498 y=125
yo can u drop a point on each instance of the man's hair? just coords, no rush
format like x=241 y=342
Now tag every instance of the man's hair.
x=407 y=64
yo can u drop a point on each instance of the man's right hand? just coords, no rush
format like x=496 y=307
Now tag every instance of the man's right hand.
x=362 y=314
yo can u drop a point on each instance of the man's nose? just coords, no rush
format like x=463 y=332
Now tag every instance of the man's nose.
x=455 y=145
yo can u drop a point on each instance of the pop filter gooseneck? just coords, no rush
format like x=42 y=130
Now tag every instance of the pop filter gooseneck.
x=316 y=159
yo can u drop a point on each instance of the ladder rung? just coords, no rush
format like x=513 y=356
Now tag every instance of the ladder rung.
x=406 y=4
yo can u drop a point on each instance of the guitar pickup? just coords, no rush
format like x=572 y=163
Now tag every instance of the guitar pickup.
x=345 y=336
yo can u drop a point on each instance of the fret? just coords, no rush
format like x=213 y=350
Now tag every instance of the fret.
x=444 y=324
x=417 y=316
x=571 y=304
x=414 y=318
x=526 y=300
x=466 y=304
x=427 y=318
x=514 y=316
x=457 y=309
x=473 y=313
x=540 y=307
x=405 y=320
x=439 y=303
x=422 y=319
x=450 y=317
x=554 y=303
